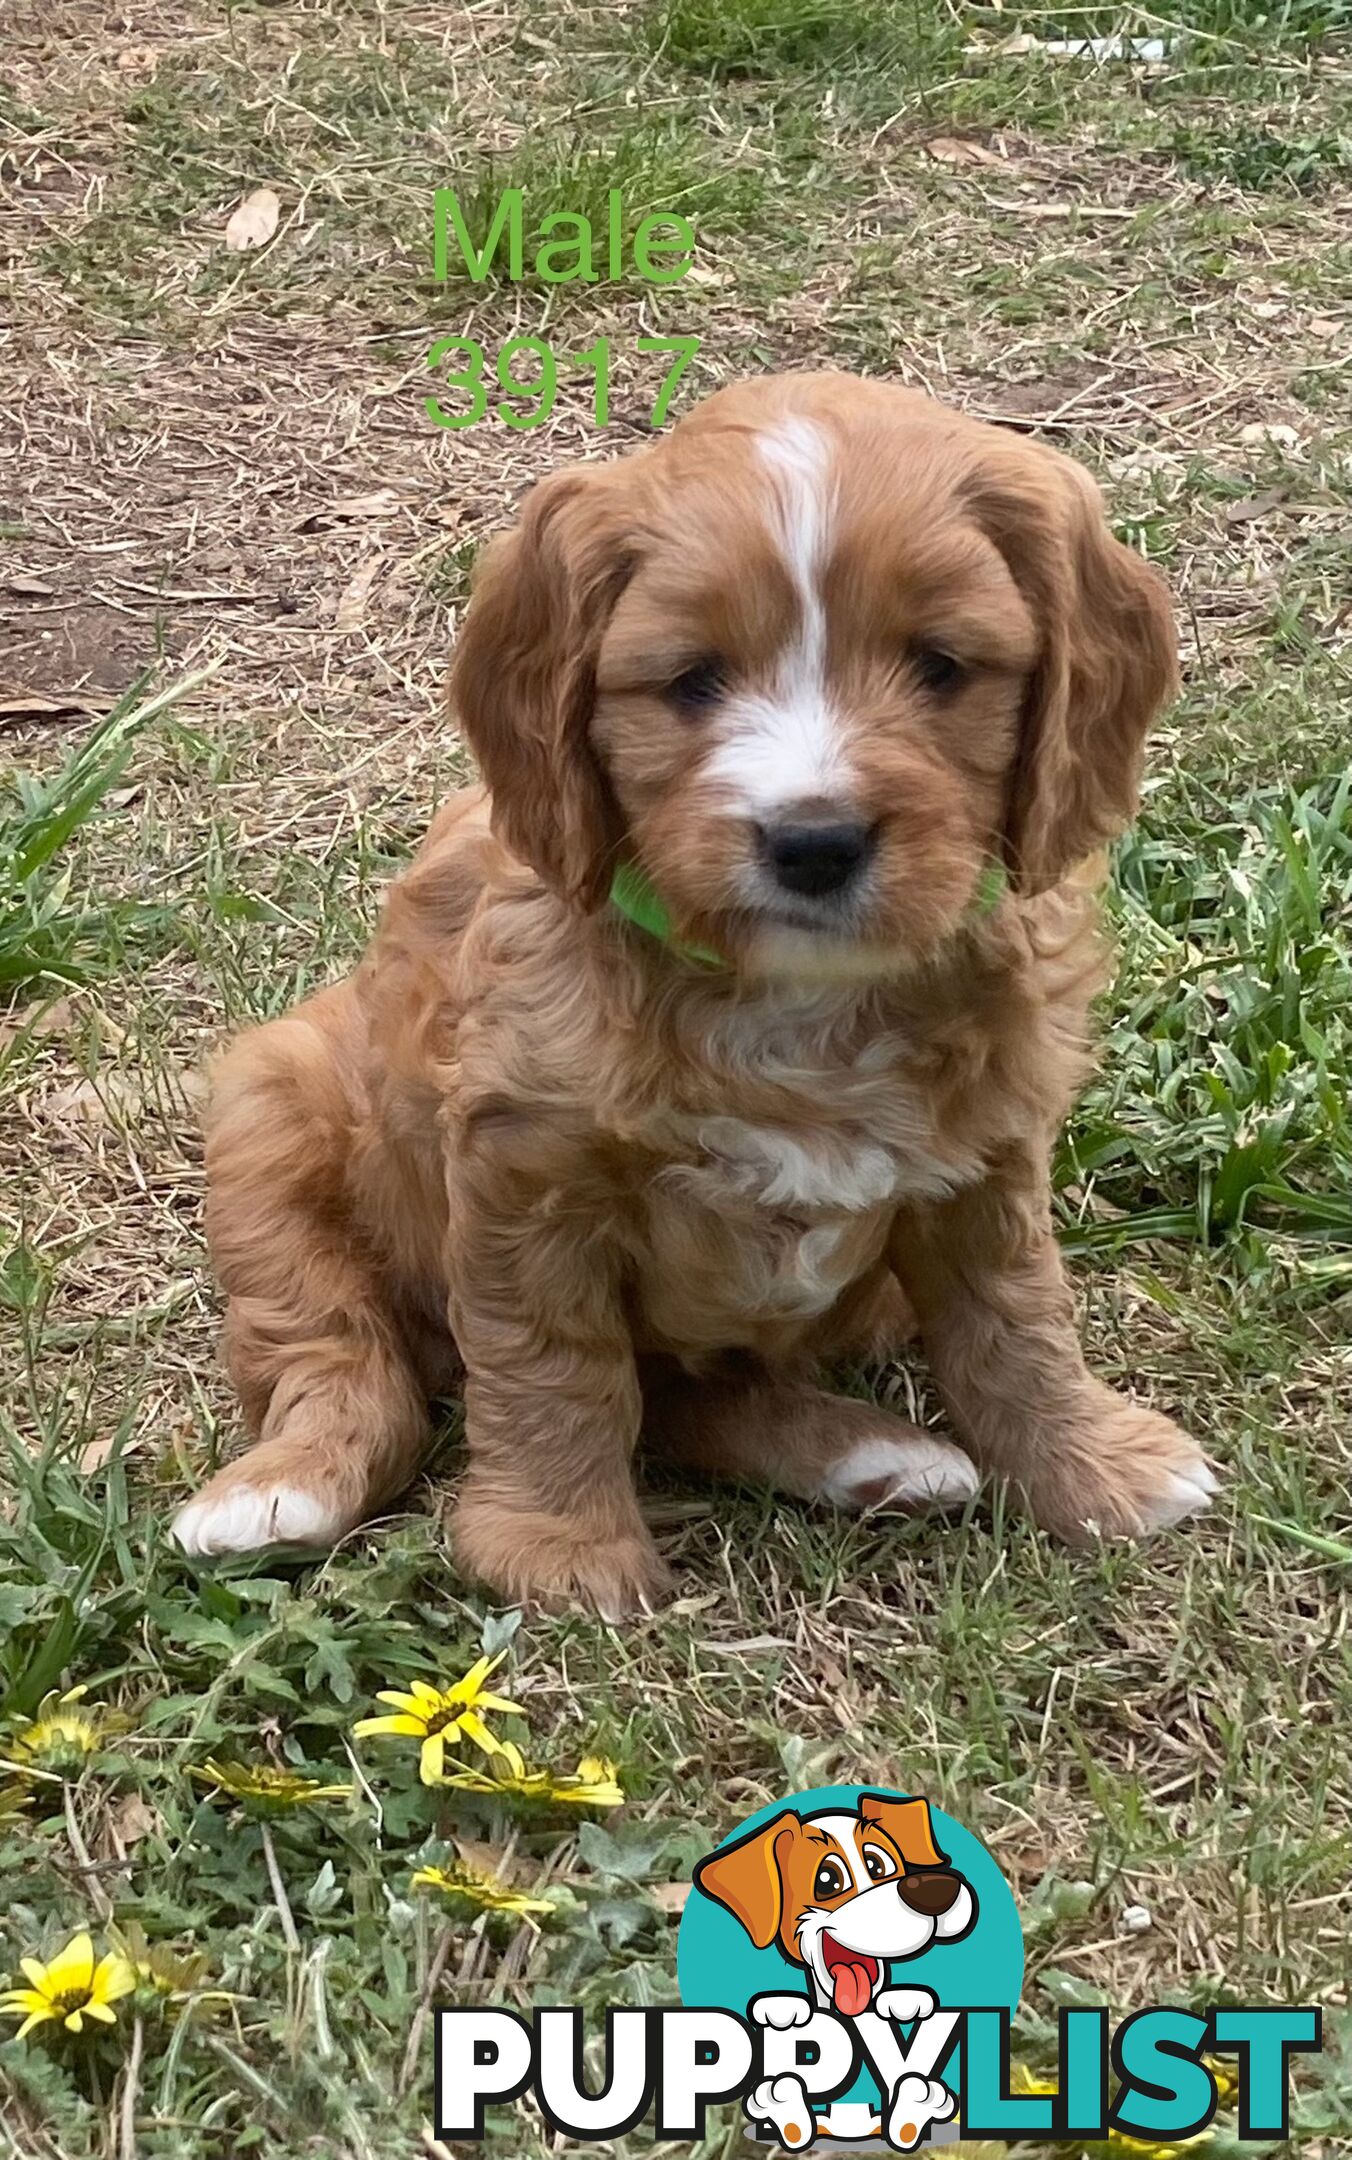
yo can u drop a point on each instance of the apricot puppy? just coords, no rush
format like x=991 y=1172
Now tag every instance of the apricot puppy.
x=728 y=1027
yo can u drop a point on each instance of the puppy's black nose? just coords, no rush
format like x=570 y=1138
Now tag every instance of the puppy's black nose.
x=931 y=1893
x=817 y=857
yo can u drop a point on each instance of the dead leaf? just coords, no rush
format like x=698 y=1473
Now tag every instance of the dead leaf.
x=133 y=1819
x=488 y=1859
x=961 y=150
x=29 y=588
x=79 y=1099
x=254 y=222
x=671 y=1897
x=54 y=1019
x=19 y=702
x=95 y=1454
x=121 y=1099
x=1279 y=433
x=345 y=509
x=378 y=504
x=1255 y=506
x=1326 y=326
x=351 y=609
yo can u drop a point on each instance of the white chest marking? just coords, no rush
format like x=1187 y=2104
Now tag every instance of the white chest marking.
x=771 y=1166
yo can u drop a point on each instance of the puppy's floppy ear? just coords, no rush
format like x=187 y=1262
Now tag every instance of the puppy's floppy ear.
x=1108 y=661
x=523 y=680
x=746 y=1877
x=907 y=1823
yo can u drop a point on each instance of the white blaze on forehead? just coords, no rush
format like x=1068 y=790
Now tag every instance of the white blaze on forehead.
x=798 y=456
x=786 y=744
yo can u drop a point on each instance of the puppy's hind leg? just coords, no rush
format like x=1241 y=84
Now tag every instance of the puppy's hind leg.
x=748 y=1425
x=328 y=1386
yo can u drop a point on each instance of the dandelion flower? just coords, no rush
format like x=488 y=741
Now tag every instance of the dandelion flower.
x=1226 y=2075
x=165 y=1977
x=458 y=1882
x=593 y=1784
x=1117 y=2145
x=262 y=1789
x=62 y=1736
x=1024 y=2080
x=156 y=1965
x=70 y=1989
x=436 y=1716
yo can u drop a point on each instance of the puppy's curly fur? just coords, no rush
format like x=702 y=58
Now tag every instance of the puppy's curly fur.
x=814 y=662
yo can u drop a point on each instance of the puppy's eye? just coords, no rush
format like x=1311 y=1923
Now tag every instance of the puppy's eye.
x=937 y=670
x=830 y=1880
x=881 y=1866
x=698 y=687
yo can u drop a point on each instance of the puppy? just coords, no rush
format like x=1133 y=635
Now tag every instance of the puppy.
x=842 y=1895
x=728 y=1027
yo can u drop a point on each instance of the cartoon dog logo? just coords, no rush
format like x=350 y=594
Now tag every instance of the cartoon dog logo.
x=844 y=1896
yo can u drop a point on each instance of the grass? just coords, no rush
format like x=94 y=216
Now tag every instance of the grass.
x=1221 y=1116
x=230 y=471
x=48 y=933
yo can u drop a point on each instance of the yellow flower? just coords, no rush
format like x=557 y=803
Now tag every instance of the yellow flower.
x=62 y=1737
x=438 y=1715
x=1024 y=2080
x=69 y=1990
x=155 y=1964
x=458 y=1881
x=164 y=1977
x=14 y=1798
x=1117 y=2144
x=262 y=1789
x=593 y=1784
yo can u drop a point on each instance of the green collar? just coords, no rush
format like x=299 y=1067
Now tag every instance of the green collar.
x=991 y=887
x=633 y=893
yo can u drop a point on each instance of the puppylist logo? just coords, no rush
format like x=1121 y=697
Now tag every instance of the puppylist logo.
x=849 y=1962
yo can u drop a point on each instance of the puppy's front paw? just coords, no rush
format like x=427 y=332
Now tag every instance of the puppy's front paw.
x=1141 y=1473
x=560 y=1562
x=780 y=2012
x=916 y=2103
x=269 y=1497
x=904 y=2004
x=783 y=2103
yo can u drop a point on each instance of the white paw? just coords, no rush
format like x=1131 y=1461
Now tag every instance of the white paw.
x=783 y=2102
x=922 y=1472
x=905 y=2004
x=1182 y=1492
x=244 y=1518
x=781 y=2011
x=916 y=2103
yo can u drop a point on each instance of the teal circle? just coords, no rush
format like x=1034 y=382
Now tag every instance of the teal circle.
x=718 y=1965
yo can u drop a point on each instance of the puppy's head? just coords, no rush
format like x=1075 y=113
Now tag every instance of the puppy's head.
x=815 y=661
x=843 y=1894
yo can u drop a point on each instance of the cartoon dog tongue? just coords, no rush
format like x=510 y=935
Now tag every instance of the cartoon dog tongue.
x=852 y=1988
